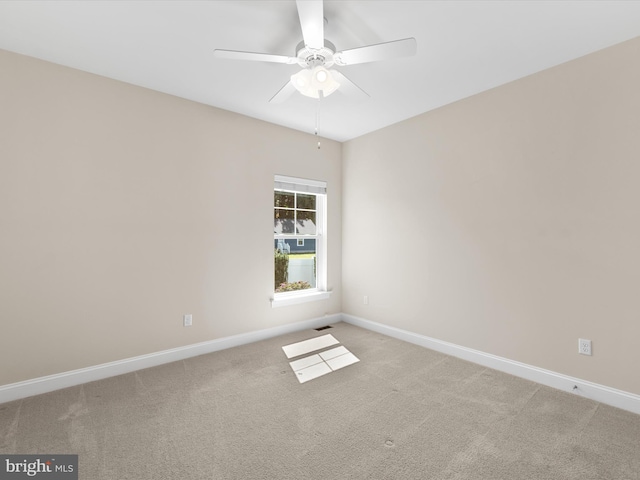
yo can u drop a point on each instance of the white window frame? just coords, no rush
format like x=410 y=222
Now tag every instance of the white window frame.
x=320 y=292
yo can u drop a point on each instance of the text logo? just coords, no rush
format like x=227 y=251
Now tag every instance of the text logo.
x=45 y=467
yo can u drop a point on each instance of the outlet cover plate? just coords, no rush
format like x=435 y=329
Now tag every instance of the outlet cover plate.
x=584 y=346
x=187 y=320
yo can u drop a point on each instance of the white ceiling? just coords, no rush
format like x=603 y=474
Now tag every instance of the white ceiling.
x=464 y=47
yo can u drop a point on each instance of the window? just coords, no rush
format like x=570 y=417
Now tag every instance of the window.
x=299 y=229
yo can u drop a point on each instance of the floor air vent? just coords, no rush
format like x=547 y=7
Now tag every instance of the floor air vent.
x=323 y=328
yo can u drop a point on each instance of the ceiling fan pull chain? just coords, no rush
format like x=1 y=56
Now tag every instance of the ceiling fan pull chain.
x=317 y=120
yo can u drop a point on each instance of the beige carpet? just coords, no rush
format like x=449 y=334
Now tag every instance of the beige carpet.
x=402 y=412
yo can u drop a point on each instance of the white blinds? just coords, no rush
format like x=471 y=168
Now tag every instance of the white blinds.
x=300 y=185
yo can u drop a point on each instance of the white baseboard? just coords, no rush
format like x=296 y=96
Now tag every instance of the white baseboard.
x=36 y=386
x=600 y=393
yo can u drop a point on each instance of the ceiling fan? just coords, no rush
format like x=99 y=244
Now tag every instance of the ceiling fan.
x=316 y=56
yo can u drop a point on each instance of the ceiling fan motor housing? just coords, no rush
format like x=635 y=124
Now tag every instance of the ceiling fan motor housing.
x=313 y=57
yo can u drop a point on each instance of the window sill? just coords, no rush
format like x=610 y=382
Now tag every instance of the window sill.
x=284 y=299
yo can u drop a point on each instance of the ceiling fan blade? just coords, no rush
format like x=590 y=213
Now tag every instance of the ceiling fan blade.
x=373 y=53
x=312 y=22
x=285 y=92
x=348 y=87
x=256 y=57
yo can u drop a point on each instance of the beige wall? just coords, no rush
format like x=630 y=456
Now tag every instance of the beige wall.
x=506 y=222
x=509 y=222
x=121 y=209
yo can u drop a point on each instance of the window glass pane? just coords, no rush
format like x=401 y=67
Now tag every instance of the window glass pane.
x=284 y=199
x=306 y=223
x=295 y=265
x=307 y=202
x=283 y=221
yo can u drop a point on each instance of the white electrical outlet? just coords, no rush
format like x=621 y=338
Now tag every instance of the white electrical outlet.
x=584 y=346
x=365 y=300
x=187 y=320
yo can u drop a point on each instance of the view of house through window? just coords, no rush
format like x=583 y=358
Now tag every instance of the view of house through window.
x=298 y=228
